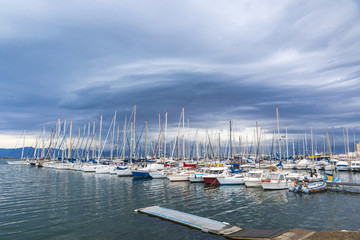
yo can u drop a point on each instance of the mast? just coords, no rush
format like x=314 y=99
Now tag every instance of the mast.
x=160 y=137
x=240 y=149
x=287 y=146
x=93 y=142
x=63 y=147
x=306 y=148
x=312 y=143
x=117 y=141
x=124 y=141
x=165 y=135
x=88 y=146
x=257 y=142
x=132 y=145
x=188 y=147
x=134 y=135
x=273 y=146
x=22 y=152
x=176 y=143
x=233 y=137
x=347 y=137
x=70 y=145
x=197 y=146
x=219 y=154
x=278 y=125
x=247 y=146
x=112 y=140
x=183 y=113
x=354 y=143
x=344 y=140
x=146 y=132
x=101 y=117
x=43 y=145
x=293 y=148
x=328 y=142
x=230 y=155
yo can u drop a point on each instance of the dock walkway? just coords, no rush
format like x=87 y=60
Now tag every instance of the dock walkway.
x=344 y=186
x=222 y=228
x=193 y=221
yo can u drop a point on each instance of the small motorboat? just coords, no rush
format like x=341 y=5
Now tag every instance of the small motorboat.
x=308 y=187
x=313 y=187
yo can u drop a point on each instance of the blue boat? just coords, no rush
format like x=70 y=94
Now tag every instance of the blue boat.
x=141 y=173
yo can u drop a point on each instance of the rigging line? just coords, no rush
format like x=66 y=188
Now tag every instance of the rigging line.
x=162 y=125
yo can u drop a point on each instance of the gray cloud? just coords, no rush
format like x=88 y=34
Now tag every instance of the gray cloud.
x=224 y=60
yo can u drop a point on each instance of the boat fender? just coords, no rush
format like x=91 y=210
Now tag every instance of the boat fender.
x=295 y=183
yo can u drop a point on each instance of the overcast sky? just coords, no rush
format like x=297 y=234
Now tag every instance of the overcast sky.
x=220 y=60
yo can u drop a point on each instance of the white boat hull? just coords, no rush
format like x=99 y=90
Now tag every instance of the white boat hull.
x=178 y=177
x=196 y=178
x=89 y=168
x=289 y=166
x=77 y=167
x=231 y=180
x=158 y=174
x=124 y=173
x=103 y=169
x=18 y=162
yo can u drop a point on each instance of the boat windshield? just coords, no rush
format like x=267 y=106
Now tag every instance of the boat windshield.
x=273 y=176
x=254 y=175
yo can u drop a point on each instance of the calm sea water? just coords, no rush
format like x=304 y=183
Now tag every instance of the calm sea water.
x=38 y=203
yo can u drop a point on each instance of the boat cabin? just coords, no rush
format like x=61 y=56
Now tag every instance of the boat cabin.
x=275 y=176
x=255 y=174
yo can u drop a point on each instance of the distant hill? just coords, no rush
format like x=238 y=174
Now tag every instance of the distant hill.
x=28 y=152
x=16 y=153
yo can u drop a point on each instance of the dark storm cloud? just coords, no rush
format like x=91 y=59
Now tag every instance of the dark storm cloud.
x=224 y=60
x=220 y=95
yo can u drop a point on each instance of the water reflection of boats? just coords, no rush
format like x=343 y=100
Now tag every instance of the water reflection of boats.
x=260 y=196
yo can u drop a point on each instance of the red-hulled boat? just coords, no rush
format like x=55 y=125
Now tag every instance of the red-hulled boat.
x=214 y=173
x=189 y=165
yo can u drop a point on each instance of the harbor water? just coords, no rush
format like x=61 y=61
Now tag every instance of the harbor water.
x=40 y=203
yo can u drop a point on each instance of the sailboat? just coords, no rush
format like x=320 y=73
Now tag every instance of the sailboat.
x=22 y=161
x=151 y=169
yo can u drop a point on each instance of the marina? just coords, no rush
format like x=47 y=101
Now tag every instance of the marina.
x=180 y=120
x=66 y=202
